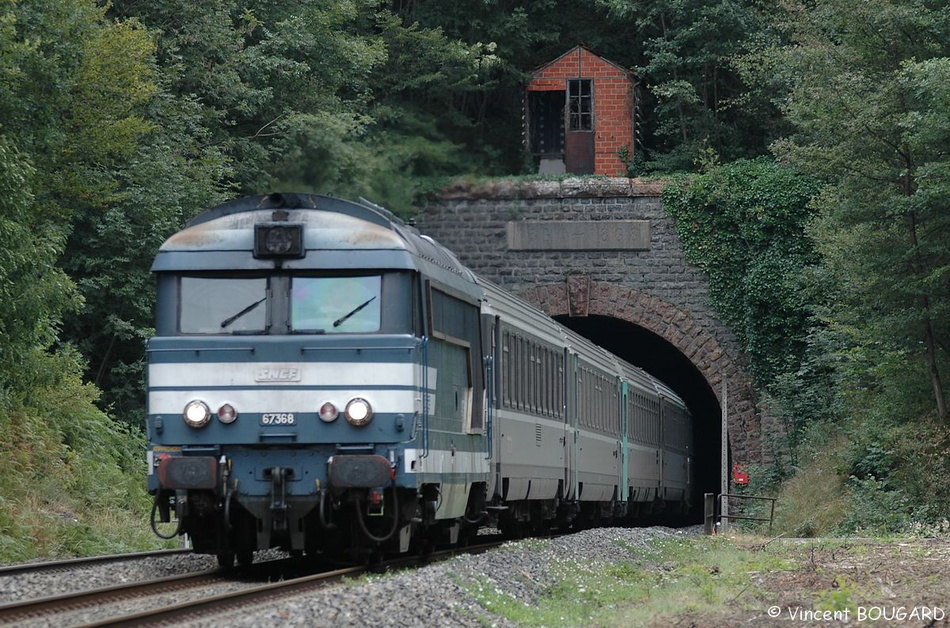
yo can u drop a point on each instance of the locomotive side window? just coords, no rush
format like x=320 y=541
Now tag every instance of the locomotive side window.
x=222 y=305
x=455 y=322
x=343 y=305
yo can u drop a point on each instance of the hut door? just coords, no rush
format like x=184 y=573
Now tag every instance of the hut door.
x=546 y=118
x=579 y=149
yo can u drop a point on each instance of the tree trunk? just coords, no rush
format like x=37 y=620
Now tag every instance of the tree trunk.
x=930 y=343
x=935 y=380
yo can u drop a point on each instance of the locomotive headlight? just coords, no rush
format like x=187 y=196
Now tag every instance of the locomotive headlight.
x=328 y=412
x=227 y=414
x=358 y=412
x=197 y=414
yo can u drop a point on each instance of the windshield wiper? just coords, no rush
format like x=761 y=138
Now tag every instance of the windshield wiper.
x=250 y=307
x=359 y=307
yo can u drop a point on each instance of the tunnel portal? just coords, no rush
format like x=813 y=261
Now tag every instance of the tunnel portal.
x=603 y=256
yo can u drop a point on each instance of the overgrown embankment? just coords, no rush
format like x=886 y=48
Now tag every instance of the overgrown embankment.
x=654 y=578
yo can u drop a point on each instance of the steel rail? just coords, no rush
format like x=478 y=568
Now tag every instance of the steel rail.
x=81 y=599
x=69 y=563
x=217 y=603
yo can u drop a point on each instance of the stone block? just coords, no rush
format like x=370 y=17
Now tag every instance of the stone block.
x=579 y=235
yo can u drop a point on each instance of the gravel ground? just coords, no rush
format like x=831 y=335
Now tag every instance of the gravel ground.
x=432 y=596
x=436 y=595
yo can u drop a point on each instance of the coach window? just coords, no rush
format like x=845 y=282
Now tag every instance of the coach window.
x=520 y=373
x=336 y=305
x=222 y=305
x=506 y=370
x=535 y=377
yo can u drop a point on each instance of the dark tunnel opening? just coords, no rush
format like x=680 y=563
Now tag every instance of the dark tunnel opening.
x=662 y=360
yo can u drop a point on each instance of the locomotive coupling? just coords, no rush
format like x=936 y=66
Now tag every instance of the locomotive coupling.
x=278 y=477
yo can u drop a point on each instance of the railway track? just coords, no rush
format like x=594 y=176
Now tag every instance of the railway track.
x=209 y=592
x=19 y=613
x=230 y=600
x=71 y=563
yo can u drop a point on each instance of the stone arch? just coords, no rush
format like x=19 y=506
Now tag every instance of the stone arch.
x=581 y=296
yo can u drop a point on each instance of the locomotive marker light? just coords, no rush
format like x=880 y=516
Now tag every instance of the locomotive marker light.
x=197 y=414
x=278 y=240
x=358 y=412
x=227 y=414
x=328 y=412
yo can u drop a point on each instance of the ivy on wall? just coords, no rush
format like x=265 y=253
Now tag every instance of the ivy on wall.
x=743 y=224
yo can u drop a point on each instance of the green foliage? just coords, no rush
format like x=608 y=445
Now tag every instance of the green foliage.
x=743 y=224
x=897 y=476
x=34 y=294
x=72 y=484
x=810 y=392
x=281 y=88
x=875 y=509
x=697 y=97
x=407 y=144
x=66 y=464
x=867 y=101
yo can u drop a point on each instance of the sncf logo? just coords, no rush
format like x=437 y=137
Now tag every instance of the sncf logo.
x=277 y=374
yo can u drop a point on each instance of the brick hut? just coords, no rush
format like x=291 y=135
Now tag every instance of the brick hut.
x=579 y=115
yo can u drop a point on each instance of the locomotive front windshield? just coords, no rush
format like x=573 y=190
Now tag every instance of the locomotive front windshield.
x=335 y=304
x=280 y=304
x=218 y=305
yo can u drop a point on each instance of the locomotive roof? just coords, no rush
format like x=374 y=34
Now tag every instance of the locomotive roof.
x=222 y=238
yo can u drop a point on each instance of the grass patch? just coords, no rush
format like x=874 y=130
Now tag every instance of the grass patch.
x=814 y=502
x=701 y=575
x=74 y=479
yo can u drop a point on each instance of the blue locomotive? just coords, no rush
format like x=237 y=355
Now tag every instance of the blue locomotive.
x=324 y=379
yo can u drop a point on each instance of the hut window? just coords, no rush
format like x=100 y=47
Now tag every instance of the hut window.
x=581 y=109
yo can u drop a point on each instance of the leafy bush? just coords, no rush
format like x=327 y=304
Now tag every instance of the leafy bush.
x=898 y=476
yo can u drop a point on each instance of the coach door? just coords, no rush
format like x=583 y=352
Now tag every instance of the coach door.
x=491 y=349
x=570 y=426
x=622 y=443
